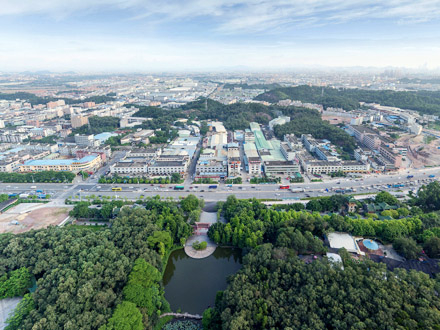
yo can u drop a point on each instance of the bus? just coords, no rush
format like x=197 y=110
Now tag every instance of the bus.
x=284 y=187
x=116 y=189
x=212 y=187
x=179 y=187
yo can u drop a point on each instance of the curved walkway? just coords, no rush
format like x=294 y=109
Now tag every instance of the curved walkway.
x=191 y=316
x=196 y=254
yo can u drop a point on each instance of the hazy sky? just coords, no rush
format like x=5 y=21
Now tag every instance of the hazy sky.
x=144 y=35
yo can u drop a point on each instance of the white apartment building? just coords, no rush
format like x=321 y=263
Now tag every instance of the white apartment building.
x=129 y=168
x=212 y=167
x=167 y=167
x=273 y=168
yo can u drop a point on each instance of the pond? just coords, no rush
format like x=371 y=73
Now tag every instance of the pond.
x=191 y=284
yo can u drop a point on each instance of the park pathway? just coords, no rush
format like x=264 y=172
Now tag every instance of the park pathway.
x=188 y=315
x=206 y=218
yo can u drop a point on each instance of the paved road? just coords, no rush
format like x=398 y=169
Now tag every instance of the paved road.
x=246 y=190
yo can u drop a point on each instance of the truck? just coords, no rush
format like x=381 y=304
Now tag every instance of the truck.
x=284 y=186
x=33 y=187
x=42 y=196
x=229 y=185
x=432 y=176
x=410 y=176
x=12 y=195
x=398 y=185
x=23 y=195
x=39 y=191
x=297 y=190
x=213 y=187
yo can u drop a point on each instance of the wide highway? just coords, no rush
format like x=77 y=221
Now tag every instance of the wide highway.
x=368 y=184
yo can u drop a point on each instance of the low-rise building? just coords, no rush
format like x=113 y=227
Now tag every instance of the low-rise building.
x=159 y=167
x=143 y=152
x=131 y=168
x=211 y=168
x=88 y=163
x=273 y=168
x=394 y=157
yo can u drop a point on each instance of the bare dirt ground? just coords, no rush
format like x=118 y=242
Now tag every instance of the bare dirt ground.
x=420 y=153
x=30 y=218
x=334 y=120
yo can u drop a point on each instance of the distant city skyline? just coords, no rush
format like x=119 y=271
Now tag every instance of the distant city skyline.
x=146 y=35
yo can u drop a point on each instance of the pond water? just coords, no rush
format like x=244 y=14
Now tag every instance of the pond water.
x=191 y=284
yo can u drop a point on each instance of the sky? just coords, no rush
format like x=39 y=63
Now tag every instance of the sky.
x=198 y=35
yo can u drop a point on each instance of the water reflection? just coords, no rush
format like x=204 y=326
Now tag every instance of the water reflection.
x=191 y=284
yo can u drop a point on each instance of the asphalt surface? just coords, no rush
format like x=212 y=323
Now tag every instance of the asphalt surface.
x=366 y=185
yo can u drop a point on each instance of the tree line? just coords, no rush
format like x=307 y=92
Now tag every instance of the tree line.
x=276 y=290
x=308 y=121
x=427 y=102
x=37 y=177
x=98 y=125
x=81 y=272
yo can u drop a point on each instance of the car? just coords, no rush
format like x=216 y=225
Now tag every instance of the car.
x=202 y=190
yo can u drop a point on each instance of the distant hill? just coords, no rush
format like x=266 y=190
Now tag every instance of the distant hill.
x=425 y=102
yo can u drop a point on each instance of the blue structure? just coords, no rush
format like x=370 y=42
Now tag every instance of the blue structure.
x=370 y=244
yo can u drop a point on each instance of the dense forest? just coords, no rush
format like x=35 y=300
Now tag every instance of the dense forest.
x=277 y=290
x=423 y=101
x=234 y=116
x=34 y=99
x=98 y=125
x=90 y=278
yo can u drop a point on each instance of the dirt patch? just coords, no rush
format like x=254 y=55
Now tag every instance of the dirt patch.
x=420 y=153
x=18 y=222
x=334 y=120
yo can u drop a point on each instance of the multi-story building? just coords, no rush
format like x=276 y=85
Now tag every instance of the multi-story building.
x=88 y=163
x=353 y=166
x=85 y=140
x=287 y=151
x=293 y=142
x=132 y=121
x=211 y=168
x=281 y=120
x=158 y=167
x=55 y=104
x=234 y=160
x=273 y=168
x=388 y=153
x=134 y=168
x=144 y=152
x=254 y=165
x=78 y=121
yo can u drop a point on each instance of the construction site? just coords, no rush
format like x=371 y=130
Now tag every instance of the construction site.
x=27 y=216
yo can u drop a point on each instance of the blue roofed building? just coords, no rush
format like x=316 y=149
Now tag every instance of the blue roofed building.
x=87 y=163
